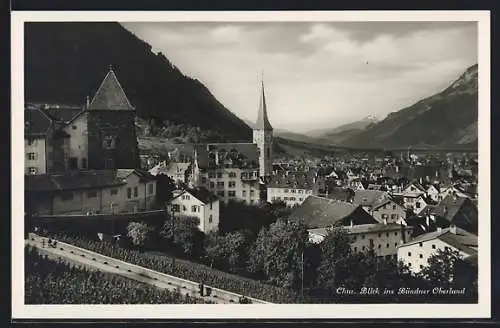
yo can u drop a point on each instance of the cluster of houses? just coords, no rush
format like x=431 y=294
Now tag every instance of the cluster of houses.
x=85 y=161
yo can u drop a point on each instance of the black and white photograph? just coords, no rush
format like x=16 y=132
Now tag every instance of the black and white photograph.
x=283 y=164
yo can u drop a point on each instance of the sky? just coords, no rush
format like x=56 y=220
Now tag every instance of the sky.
x=317 y=74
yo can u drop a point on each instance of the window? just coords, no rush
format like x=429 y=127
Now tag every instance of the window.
x=393 y=207
x=433 y=246
x=91 y=194
x=220 y=184
x=394 y=217
x=176 y=208
x=211 y=205
x=301 y=191
x=292 y=191
x=193 y=208
x=212 y=185
x=129 y=193
x=292 y=198
x=421 y=256
x=387 y=246
x=409 y=264
x=219 y=175
x=395 y=244
x=379 y=246
x=210 y=218
x=211 y=175
x=231 y=184
x=244 y=193
x=136 y=191
x=231 y=193
x=114 y=192
x=420 y=244
x=232 y=174
x=285 y=198
x=32 y=170
x=387 y=234
x=355 y=249
x=31 y=142
x=417 y=205
x=220 y=193
x=362 y=236
x=384 y=216
x=31 y=156
x=395 y=233
x=186 y=197
x=300 y=199
x=203 y=180
x=379 y=235
x=363 y=248
x=84 y=163
x=73 y=127
x=286 y=190
x=184 y=209
x=251 y=192
x=421 y=266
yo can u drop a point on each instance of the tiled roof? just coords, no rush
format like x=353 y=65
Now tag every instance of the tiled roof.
x=320 y=212
x=75 y=181
x=110 y=95
x=201 y=193
x=36 y=123
x=369 y=197
x=361 y=228
x=169 y=169
x=295 y=180
x=243 y=155
x=63 y=114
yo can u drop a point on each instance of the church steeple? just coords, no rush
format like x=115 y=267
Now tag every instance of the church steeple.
x=110 y=95
x=262 y=120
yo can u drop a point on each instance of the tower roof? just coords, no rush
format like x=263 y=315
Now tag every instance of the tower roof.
x=110 y=95
x=262 y=120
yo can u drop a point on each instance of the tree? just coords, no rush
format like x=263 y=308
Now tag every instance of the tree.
x=277 y=253
x=441 y=269
x=229 y=251
x=186 y=238
x=139 y=233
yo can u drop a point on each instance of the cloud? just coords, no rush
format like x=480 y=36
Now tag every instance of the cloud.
x=317 y=73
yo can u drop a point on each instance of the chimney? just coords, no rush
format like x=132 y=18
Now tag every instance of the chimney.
x=352 y=223
x=87 y=101
x=453 y=229
x=385 y=221
x=427 y=220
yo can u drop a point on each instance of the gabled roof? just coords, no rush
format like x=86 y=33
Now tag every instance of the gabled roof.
x=36 y=123
x=63 y=114
x=462 y=240
x=170 y=168
x=110 y=95
x=201 y=193
x=369 y=197
x=262 y=120
x=75 y=181
x=243 y=155
x=319 y=212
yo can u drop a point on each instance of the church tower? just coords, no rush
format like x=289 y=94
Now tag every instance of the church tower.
x=112 y=141
x=263 y=137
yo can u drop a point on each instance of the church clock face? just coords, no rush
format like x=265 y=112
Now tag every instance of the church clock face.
x=109 y=142
x=268 y=137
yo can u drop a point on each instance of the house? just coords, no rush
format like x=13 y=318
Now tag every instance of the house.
x=432 y=192
x=292 y=188
x=387 y=210
x=383 y=239
x=199 y=203
x=368 y=198
x=459 y=211
x=413 y=202
x=88 y=192
x=416 y=253
x=413 y=189
x=175 y=171
x=321 y=212
x=356 y=184
x=229 y=170
x=37 y=128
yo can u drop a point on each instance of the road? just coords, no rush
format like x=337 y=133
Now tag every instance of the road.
x=95 y=261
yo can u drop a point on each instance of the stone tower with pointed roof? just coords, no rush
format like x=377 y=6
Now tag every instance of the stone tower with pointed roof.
x=263 y=137
x=112 y=141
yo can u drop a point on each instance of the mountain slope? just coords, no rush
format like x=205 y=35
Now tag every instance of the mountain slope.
x=65 y=62
x=446 y=119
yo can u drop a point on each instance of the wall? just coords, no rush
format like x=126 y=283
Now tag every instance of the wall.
x=426 y=250
x=120 y=124
x=143 y=201
x=78 y=141
x=37 y=147
x=274 y=194
x=384 y=242
x=214 y=225
x=186 y=205
x=243 y=189
x=265 y=162
x=389 y=210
